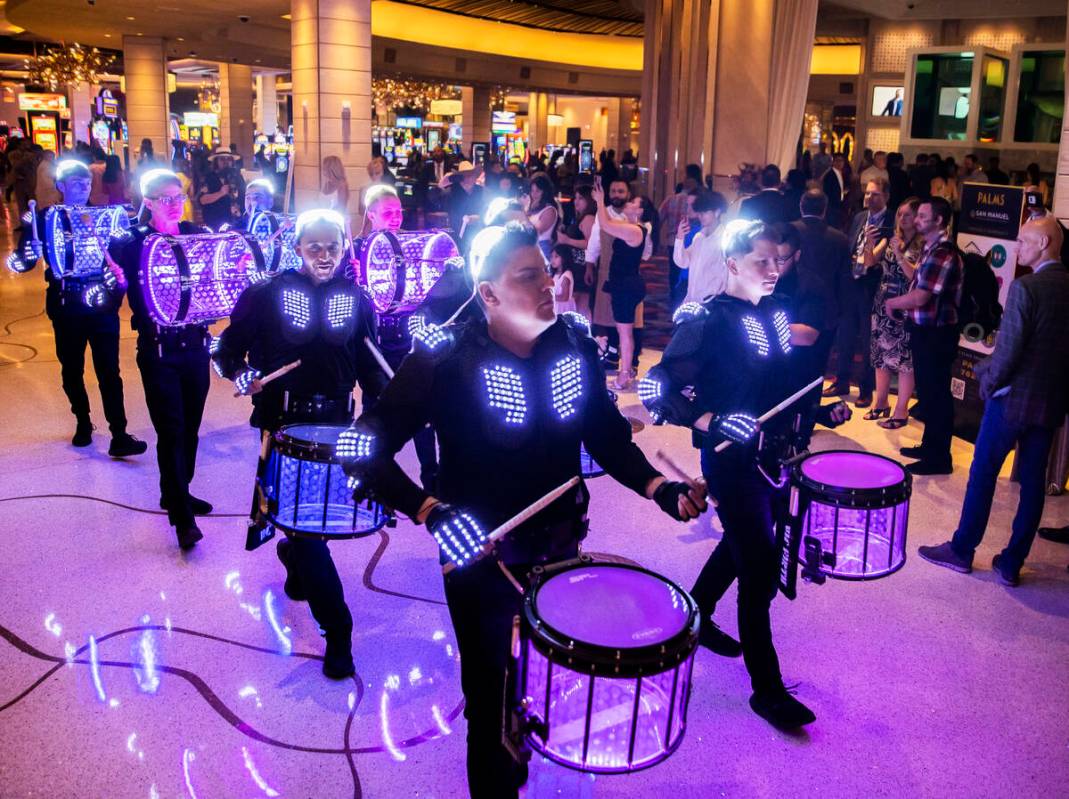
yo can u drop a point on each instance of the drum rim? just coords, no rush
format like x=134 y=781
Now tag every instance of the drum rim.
x=319 y=452
x=535 y=743
x=604 y=661
x=864 y=578
x=868 y=498
x=294 y=532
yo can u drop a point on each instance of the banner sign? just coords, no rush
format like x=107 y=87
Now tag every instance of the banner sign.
x=993 y=211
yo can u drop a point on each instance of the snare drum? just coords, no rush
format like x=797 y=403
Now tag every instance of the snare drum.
x=853 y=511
x=277 y=247
x=603 y=663
x=307 y=493
x=76 y=238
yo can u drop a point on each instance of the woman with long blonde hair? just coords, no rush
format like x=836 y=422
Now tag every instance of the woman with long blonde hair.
x=335 y=191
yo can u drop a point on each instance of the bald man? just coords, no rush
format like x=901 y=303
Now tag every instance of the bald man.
x=1025 y=384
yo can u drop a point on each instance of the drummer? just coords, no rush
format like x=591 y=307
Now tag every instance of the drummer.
x=259 y=198
x=735 y=350
x=173 y=361
x=77 y=323
x=316 y=316
x=511 y=397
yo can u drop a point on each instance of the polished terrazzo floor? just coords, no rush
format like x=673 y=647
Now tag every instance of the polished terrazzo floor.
x=130 y=670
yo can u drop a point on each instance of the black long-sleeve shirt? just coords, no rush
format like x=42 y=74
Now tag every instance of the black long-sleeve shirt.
x=509 y=428
x=290 y=317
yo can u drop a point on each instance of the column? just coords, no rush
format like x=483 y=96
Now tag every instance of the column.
x=267 y=103
x=1061 y=186
x=235 y=109
x=707 y=92
x=537 y=122
x=80 y=97
x=147 y=106
x=331 y=66
x=475 y=101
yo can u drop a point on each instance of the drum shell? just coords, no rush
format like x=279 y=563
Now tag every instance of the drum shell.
x=398 y=269
x=76 y=237
x=307 y=491
x=278 y=253
x=196 y=279
x=608 y=714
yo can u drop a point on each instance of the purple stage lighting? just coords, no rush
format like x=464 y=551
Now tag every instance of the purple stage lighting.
x=197 y=278
x=398 y=269
x=277 y=248
x=604 y=676
x=856 y=505
x=76 y=237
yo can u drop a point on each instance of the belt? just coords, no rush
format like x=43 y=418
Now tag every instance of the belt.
x=393 y=329
x=316 y=404
x=176 y=339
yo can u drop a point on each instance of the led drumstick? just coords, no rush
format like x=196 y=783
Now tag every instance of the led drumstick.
x=282 y=228
x=764 y=417
x=521 y=517
x=33 y=220
x=377 y=355
x=275 y=374
x=693 y=482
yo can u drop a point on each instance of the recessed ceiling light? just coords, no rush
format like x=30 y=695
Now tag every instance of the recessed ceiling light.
x=130 y=19
x=181 y=38
x=107 y=35
x=287 y=16
x=140 y=34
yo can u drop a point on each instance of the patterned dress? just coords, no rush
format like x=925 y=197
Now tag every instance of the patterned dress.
x=890 y=339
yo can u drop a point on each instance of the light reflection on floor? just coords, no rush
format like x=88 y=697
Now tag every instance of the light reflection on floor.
x=148 y=673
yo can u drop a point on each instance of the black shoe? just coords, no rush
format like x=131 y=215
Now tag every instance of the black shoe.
x=781 y=710
x=292 y=586
x=717 y=641
x=945 y=556
x=124 y=445
x=1006 y=577
x=917 y=411
x=338 y=659
x=926 y=467
x=200 y=507
x=83 y=433
x=188 y=535
x=836 y=390
x=1059 y=535
x=912 y=452
x=863 y=401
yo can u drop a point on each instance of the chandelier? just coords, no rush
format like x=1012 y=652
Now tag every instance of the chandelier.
x=68 y=65
x=407 y=93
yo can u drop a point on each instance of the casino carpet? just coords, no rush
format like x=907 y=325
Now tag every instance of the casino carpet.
x=131 y=670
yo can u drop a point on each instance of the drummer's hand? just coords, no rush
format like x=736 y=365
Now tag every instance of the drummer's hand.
x=112 y=269
x=248 y=383
x=458 y=535
x=737 y=427
x=33 y=250
x=682 y=501
x=835 y=414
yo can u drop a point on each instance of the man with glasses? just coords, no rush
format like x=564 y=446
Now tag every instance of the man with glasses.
x=319 y=317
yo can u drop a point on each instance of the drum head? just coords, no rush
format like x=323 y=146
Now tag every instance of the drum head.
x=853 y=470
x=309 y=441
x=613 y=606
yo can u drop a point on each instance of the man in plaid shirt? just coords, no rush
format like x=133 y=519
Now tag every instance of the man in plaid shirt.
x=931 y=306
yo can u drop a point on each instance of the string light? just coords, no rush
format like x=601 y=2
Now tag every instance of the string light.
x=68 y=65
x=409 y=93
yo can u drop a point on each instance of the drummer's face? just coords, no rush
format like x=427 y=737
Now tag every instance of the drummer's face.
x=386 y=213
x=75 y=190
x=321 y=248
x=258 y=199
x=166 y=203
x=523 y=295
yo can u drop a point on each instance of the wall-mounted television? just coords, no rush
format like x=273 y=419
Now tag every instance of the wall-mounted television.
x=887 y=101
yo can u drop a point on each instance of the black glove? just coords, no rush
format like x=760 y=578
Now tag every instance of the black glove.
x=737 y=427
x=459 y=536
x=834 y=415
x=667 y=497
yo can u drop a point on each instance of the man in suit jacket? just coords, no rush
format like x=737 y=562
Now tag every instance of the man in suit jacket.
x=870 y=231
x=768 y=205
x=1025 y=384
x=834 y=185
x=825 y=266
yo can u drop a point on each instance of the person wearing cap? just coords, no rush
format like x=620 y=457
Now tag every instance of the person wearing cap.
x=173 y=361
x=319 y=317
x=78 y=324
x=464 y=202
x=507 y=439
x=215 y=194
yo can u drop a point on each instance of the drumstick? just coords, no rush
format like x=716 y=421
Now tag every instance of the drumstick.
x=521 y=517
x=764 y=417
x=275 y=374
x=377 y=355
x=693 y=482
x=33 y=219
x=282 y=228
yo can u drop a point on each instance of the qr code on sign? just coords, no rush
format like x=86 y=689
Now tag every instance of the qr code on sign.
x=957 y=388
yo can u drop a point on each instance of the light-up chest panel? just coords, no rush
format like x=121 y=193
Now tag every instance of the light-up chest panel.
x=756 y=335
x=505 y=393
x=340 y=310
x=297 y=308
x=783 y=330
x=566 y=386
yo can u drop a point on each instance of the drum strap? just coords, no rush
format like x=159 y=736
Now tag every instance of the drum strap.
x=186 y=290
x=68 y=243
x=402 y=273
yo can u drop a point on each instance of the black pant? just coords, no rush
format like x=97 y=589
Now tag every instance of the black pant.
x=176 y=388
x=423 y=441
x=482 y=603
x=934 y=350
x=748 y=553
x=855 y=334
x=101 y=333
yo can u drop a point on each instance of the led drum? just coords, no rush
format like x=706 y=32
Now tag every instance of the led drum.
x=602 y=667
x=196 y=278
x=852 y=509
x=77 y=238
x=276 y=235
x=398 y=269
x=307 y=493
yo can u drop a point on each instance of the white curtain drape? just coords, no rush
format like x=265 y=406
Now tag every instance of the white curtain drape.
x=794 y=28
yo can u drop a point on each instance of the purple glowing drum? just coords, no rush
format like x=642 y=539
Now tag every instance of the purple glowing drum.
x=605 y=654
x=77 y=237
x=853 y=511
x=399 y=268
x=197 y=278
x=306 y=491
x=276 y=235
